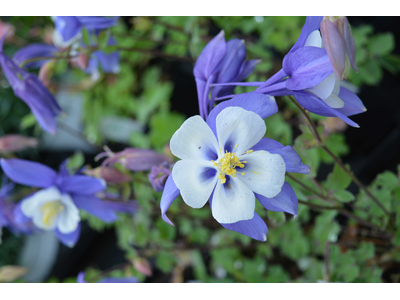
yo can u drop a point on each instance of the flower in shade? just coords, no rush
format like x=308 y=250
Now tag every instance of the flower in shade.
x=69 y=28
x=56 y=205
x=220 y=62
x=9 y=213
x=227 y=162
x=158 y=175
x=81 y=279
x=308 y=75
x=28 y=87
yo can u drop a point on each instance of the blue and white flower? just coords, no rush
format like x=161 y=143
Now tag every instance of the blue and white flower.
x=227 y=162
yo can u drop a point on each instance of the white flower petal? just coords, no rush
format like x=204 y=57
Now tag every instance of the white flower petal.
x=37 y=220
x=236 y=125
x=233 y=202
x=195 y=180
x=194 y=140
x=325 y=88
x=336 y=89
x=32 y=204
x=264 y=173
x=69 y=219
x=334 y=101
x=314 y=39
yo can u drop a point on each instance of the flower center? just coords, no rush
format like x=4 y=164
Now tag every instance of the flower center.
x=227 y=164
x=50 y=211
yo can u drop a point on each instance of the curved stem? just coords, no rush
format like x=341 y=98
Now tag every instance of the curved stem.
x=335 y=158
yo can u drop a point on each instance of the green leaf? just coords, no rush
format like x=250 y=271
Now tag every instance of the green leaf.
x=387 y=180
x=85 y=36
x=27 y=121
x=165 y=261
x=103 y=38
x=381 y=44
x=75 y=162
x=338 y=179
x=344 y=196
x=163 y=126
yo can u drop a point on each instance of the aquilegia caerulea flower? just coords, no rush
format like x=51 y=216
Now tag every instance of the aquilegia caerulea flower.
x=28 y=87
x=220 y=62
x=69 y=28
x=227 y=162
x=308 y=75
x=56 y=206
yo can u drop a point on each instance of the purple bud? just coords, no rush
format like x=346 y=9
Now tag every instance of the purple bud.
x=339 y=44
x=134 y=159
x=159 y=175
x=110 y=175
x=15 y=143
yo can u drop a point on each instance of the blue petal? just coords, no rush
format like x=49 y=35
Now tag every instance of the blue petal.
x=119 y=280
x=285 y=201
x=68 y=27
x=28 y=172
x=352 y=104
x=247 y=68
x=95 y=206
x=69 y=239
x=292 y=159
x=319 y=107
x=312 y=23
x=81 y=184
x=306 y=67
x=97 y=22
x=170 y=193
x=263 y=105
x=210 y=57
x=34 y=51
x=232 y=62
x=81 y=277
x=118 y=206
x=254 y=228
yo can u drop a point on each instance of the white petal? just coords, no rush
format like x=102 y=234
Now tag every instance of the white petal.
x=236 y=125
x=336 y=89
x=37 y=219
x=32 y=204
x=334 y=101
x=325 y=88
x=233 y=202
x=196 y=181
x=314 y=39
x=264 y=173
x=194 y=140
x=69 y=219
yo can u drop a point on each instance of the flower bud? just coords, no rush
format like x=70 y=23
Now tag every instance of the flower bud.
x=143 y=266
x=6 y=28
x=339 y=44
x=134 y=159
x=159 y=175
x=15 y=142
x=110 y=175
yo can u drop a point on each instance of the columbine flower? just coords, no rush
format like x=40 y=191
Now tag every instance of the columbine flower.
x=55 y=206
x=227 y=162
x=340 y=44
x=220 y=62
x=28 y=87
x=307 y=74
x=81 y=279
x=69 y=28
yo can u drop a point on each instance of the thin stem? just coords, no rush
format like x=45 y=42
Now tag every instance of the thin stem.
x=355 y=180
x=309 y=121
x=33 y=59
x=335 y=158
x=304 y=186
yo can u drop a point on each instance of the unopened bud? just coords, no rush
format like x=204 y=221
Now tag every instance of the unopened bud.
x=159 y=175
x=135 y=159
x=46 y=72
x=15 y=142
x=110 y=175
x=142 y=266
x=339 y=44
x=82 y=61
x=6 y=28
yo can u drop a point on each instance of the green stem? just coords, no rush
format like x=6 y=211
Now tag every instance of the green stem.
x=335 y=158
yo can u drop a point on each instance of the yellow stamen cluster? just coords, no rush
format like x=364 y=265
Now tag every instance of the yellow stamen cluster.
x=228 y=163
x=50 y=211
